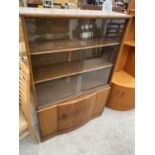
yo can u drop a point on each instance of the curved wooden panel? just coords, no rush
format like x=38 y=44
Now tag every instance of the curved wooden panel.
x=73 y=113
x=121 y=98
x=122 y=78
x=48 y=121
x=101 y=99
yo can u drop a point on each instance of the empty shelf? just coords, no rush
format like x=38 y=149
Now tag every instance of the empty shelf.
x=55 y=71
x=44 y=47
x=124 y=79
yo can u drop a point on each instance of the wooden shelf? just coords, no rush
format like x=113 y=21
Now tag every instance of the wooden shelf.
x=55 y=71
x=44 y=47
x=124 y=79
x=130 y=43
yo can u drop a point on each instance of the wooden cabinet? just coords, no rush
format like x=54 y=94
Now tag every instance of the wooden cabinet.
x=122 y=96
x=71 y=56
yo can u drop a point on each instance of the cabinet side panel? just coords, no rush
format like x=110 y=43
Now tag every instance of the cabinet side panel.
x=101 y=100
x=48 y=121
x=23 y=24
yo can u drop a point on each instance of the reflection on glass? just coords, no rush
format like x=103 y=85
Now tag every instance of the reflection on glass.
x=70 y=56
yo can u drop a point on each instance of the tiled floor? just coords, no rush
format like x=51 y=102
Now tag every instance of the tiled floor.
x=110 y=134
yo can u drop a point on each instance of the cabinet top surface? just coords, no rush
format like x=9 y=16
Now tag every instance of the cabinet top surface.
x=64 y=13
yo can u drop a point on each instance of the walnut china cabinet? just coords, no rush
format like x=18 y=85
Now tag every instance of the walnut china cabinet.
x=72 y=55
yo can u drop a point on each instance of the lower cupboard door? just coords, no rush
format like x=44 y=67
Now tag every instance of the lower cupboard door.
x=101 y=100
x=47 y=119
x=73 y=113
x=121 y=98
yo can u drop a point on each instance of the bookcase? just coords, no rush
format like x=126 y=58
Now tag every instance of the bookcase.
x=72 y=55
x=122 y=95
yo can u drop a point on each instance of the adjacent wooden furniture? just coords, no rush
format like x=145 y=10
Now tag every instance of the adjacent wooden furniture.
x=25 y=126
x=122 y=95
x=36 y=3
x=65 y=1
x=71 y=57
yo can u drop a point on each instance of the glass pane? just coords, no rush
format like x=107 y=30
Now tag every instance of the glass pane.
x=95 y=78
x=70 y=56
x=50 y=91
x=60 y=75
x=56 y=35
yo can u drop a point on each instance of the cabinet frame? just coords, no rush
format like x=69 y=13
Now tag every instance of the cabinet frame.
x=81 y=14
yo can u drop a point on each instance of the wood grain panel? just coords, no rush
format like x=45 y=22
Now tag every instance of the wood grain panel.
x=73 y=113
x=48 y=121
x=121 y=98
x=101 y=99
x=124 y=79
